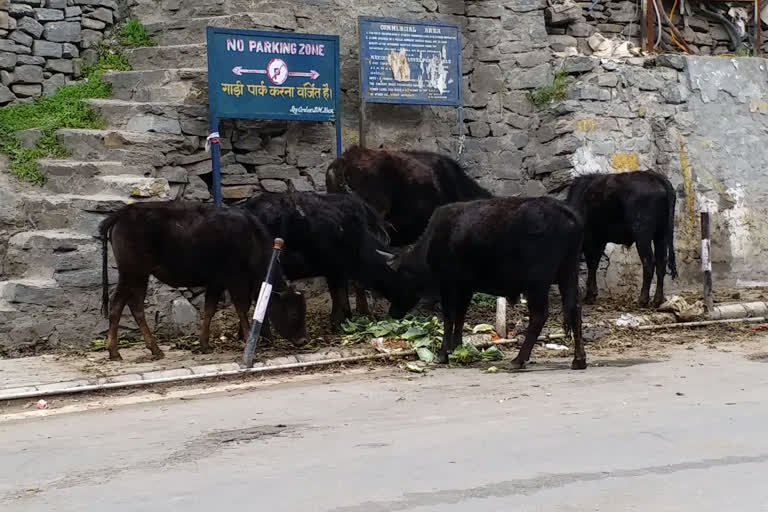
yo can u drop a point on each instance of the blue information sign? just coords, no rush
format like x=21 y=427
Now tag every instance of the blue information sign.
x=416 y=62
x=271 y=75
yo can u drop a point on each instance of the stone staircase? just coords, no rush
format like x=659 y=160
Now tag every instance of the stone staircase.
x=152 y=148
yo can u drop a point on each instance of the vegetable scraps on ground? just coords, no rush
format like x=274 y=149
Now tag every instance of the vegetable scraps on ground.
x=420 y=334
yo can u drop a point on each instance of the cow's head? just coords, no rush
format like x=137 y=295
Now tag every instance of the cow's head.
x=287 y=312
x=410 y=281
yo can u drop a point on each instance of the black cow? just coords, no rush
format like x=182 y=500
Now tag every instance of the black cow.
x=191 y=245
x=404 y=187
x=626 y=208
x=334 y=236
x=500 y=246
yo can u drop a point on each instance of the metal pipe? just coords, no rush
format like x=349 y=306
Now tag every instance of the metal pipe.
x=261 y=305
x=706 y=263
x=701 y=323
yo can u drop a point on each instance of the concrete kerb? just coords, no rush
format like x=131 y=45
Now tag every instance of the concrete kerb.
x=208 y=371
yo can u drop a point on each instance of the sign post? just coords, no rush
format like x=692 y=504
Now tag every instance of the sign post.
x=412 y=63
x=270 y=76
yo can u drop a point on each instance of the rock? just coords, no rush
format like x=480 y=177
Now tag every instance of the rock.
x=609 y=28
x=5 y=23
x=8 y=60
x=21 y=38
x=302 y=184
x=486 y=79
x=69 y=51
x=698 y=24
x=152 y=123
x=29 y=138
x=102 y=14
x=675 y=94
x=271 y=172
x=28 y=74
x=60 y=66
x=27 y=91
x=275 y=186
x=196 y=190
x=173 y=174
x=44 y=15
x=607 y=80
x=31 y=27
x=51 y=85
x=6 y=45
x=47 y=49
x=6 y=78
x=580 y=29
x=21 y=10
x=93 y=24
x=563 y=17
x=578 y=64
x=233 y=169
x=560 y=43
x=199 y=168
x=56 y=4
x=549 y=165
x=71 y=12
x=6 y=95
x=239 y=179
x=624 y=12
x=183 y=315
x=31 y=60
x=240 y=191
x=531 y=59
x=91 y=38
x=539 y=76
x=63 y=32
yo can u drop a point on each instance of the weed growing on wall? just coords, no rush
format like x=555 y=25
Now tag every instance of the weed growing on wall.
x=555 y=92
x=64 y=109
x=133 y=34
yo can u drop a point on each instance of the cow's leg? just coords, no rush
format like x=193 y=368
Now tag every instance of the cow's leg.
x=340 y=309
x=460 y=312
x=660 y=255
x=449 y=318
x=361 y=302
x=212 y=297
x=241 y=299
x=593 y=251
x=569 y=291
x=646 y=258
x=115 y=312
x=538 y=308
x=136 y=305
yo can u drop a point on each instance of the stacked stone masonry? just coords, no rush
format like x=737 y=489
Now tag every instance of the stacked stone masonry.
x=45 y=44
x=698 y=120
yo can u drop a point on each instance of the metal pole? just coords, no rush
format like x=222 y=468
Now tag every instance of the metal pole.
x=501 y=316
x=362 y=124
x=216 y=171
x=706 y=262
x=261 y=305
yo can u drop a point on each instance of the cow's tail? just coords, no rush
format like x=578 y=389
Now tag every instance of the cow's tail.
x=670 y=242
x=569 y=275
x=105 y=232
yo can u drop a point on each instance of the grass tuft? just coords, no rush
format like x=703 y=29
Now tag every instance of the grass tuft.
x=555 y=92
x=133 y=34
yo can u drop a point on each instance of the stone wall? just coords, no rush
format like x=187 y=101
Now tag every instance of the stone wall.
x=43 y=43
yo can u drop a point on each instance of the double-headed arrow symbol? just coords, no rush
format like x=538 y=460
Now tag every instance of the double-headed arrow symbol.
x=239 y=70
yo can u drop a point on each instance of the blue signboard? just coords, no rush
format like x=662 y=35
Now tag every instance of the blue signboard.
x=412 y=62
x=271 y=75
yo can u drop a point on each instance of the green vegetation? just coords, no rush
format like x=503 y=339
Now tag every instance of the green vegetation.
x=133 y=34
x=483 y=299
x=64 y=109
x=555 y=92
x=421 y=334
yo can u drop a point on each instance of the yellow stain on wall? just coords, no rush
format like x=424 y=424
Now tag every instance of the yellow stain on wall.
x=759 y=106
x=687 y=172
x=349 y=136
x=625 y=162
x=586 y=125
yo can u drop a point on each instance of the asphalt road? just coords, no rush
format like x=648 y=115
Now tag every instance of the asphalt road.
x=685 y=434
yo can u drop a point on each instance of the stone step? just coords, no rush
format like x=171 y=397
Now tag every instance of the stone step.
x=43 y=253
x=189 y=30
x=185 y=85
x=19 y=293
x=122 y=184
x=157 y=149
x=157 y=117
x=167 y=57
x=61 y=169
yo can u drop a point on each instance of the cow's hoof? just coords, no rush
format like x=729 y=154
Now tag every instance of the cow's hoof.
x=657 y=302
x=517 y=364
x=442 y=358
x=205 y=349
x=589 y=300
x=643 y=303
x=157 y=354
x=579 y=364
x=115 y=357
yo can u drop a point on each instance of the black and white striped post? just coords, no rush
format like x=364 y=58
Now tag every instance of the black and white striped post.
x=706 y=261
x=261 y=305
